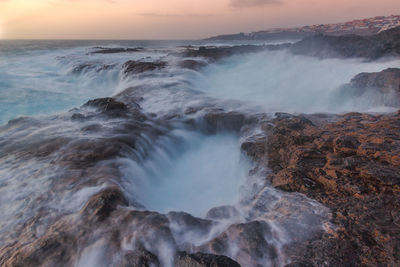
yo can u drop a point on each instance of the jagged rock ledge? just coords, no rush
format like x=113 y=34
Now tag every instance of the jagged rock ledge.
x=384 y=44
x=351 y=164
x=115 y=50
x=216 y=53
x=373 y=47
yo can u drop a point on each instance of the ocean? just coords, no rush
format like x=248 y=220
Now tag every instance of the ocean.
x=170 y=145
x=42 y=77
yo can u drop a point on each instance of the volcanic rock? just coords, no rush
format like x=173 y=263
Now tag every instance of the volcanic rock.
x=384 y=44
x=378 y=88
x=102 y=204
x=140 y=258
x=251 y=237
x=91 y=66
x=386 y=80
x=219 y=120
x=134 y=67
x=192 y=64
x=105 y=50
x=216 y=53
x=222 y=212
x=107 y=105
x=349 y=163
x=204 y=260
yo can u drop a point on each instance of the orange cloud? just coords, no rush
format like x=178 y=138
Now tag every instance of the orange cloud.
x=173 y=19
x=253 y=3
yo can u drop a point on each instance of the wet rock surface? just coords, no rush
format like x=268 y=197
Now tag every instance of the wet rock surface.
x=81 y=68
x=93 y=220
x=350 y=164
x=192 y=64
x=217 y=53
x=373 y=47
x=48 y=235
x=384 y=44
x=203 y=260
x=134 y=67
x=378 y=88
x=386 y=82
x=253 y=236
x=105 y=50
x=219 y=120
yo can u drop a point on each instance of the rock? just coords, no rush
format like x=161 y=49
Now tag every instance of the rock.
x=140 y=258
x=386 y=80
x=349 y=164
x=216 y=53
x=186 y=222
x=82 y=67
x=384 y=85
x=108 y=106
x=192 y=64
x=135 y=67
x=55 y=249
x=299 y=264
x=222 y=213
x=104 y=203
x=216 y=121
x=104 y=50
x=252 y=237
x=384 y=44
x=91 y=66
x=204 y=260
x=345 y=145
x=263 y=35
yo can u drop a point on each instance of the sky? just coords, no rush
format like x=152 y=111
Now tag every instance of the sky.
x=173 y=19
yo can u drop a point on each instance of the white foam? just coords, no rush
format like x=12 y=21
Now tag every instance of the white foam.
x=204 y=172
x=280 y=81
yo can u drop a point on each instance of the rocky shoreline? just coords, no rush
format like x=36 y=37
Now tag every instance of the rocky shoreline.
x=329 y=194
x=109 y=219
x=351 y=165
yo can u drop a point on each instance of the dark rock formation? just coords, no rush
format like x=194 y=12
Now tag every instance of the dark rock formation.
x=251 y=237
x=91 y=66
x=192 y=64
x=112 y=108
x=106 y=222
x=384 y=44
x=352 y=166
x=387 y=80
x=263 y=35
x=219 y=120
x=108 y=225
x=105 y=50
x=134 y=67
x=372 y=47
x=102 y=204
x=204 y=260
x=140 y=258
x=382 y=88
x=222 y=212
x=217 y=53
x=106 y=104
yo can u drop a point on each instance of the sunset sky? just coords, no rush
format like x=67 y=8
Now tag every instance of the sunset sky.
x=172 y=19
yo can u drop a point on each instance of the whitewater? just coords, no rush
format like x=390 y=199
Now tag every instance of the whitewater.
x=178 y=162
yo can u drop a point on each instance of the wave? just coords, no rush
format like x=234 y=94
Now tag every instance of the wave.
x=158 y=167
x=280 y=81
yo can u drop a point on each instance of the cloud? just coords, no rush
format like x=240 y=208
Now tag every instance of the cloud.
x=110 y=1
x=161 y=15
x=253 y=3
